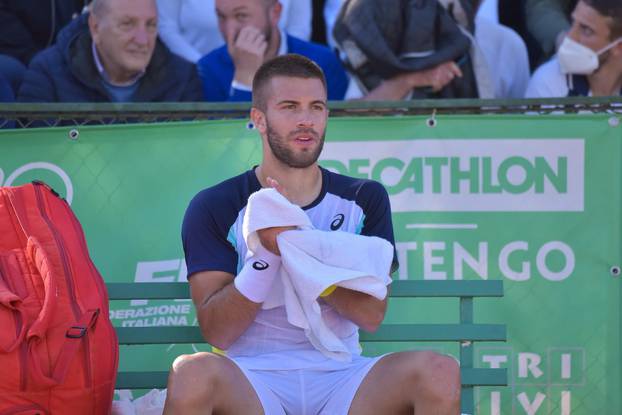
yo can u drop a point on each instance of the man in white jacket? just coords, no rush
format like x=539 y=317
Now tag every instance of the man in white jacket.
x=270 y=366
x=589 y=59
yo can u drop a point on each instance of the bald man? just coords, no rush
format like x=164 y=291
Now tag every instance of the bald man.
x=111 y=54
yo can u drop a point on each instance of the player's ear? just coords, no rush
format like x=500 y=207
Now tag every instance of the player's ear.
x=259 y=120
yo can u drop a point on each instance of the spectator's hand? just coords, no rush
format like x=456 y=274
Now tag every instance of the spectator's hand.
x=400 y=86
x=436 y=77
x=247 y=52
x=267 y=236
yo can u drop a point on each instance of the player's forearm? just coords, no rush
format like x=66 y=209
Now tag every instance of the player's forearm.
x=365 y=311
x=225 y=316
x=228 y=312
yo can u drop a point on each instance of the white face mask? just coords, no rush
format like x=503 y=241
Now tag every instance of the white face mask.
x=575 y=58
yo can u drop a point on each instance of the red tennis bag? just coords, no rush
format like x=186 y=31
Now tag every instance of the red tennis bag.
x=58 y=349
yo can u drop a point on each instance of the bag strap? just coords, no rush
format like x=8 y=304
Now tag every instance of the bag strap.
x=33 y=409
x=11 y=301
x=73 y=338
x=38 y=258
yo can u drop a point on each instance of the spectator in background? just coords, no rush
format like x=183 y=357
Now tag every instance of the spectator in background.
x=250 y=28
x=6 y=95
x=116 y=57
x=497 y=54
x=547 y=22
x=325 y=14
x=28 y=26
x=190 y=27
x=404 y=50
x=589 y=60
x=6 y=92
x=488 y=9
x=505 y=58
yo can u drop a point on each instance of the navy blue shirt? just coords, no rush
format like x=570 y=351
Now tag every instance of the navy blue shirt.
x=212 y=226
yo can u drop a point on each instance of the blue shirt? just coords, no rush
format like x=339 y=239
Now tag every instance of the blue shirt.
x=216 y=71
x=212 y=226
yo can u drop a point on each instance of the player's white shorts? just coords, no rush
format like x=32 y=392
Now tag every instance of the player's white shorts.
x=309 y=392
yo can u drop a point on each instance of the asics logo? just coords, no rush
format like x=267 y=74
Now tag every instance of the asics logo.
x=337 y=222
x=260 y=265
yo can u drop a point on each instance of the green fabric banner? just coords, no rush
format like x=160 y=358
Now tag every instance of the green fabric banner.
x=532 y=200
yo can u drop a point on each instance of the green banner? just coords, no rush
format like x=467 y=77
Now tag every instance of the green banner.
x=532 y=200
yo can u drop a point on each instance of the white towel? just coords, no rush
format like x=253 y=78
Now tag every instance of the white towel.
x=313 y=260
x=151 y=403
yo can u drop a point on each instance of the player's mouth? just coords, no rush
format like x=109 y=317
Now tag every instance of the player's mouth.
x=305 y=137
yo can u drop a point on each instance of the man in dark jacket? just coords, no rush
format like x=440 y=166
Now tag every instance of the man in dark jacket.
x=116 y=57
x=28 y=26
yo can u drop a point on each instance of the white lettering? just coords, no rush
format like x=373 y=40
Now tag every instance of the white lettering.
x=565 y=404
x=528 y=362
x=494 y=360
x=479 y=265
x=522 y=275
x=402 y=256
x=429 y=260
x=566 y=366
x=502 y=175
x=569 y=259
x=531 y=408
x=495 y=403
x=145 y=271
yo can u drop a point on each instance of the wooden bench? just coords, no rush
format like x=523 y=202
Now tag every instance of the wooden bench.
x=465 y=332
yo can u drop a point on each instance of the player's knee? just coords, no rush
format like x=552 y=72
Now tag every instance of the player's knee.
x=192 y=378
x=442 y=377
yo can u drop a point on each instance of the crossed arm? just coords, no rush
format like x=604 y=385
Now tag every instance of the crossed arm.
x=224 y=313
x=399 y=86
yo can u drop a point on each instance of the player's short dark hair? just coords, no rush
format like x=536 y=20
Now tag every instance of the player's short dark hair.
x=612 y=9
x=290 y=65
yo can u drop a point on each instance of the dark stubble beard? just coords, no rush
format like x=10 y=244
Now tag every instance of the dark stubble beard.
x=278 y=145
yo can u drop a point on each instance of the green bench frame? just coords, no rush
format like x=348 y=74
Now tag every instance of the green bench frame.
x=466 y=332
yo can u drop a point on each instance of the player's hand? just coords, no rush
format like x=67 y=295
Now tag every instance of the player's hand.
x=277 y=186
x=247 y=51
x=267 y=236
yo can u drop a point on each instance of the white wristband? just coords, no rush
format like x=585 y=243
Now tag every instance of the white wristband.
x=256 y=277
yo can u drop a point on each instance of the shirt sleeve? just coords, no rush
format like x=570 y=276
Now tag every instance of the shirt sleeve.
x=205 y=237
x=377 y=209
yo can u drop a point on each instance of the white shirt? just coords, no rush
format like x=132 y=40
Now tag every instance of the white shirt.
x=489 y=9
x=548 y=81
x=190 y=27
x=331 y=11
x=506 y=55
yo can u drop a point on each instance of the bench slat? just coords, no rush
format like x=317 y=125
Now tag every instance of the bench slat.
x=406 y=288
x=148 y=380
x=386 y=333
x=412 y=288
x=484 y=377
x=141 y=380
x=436 y=332
x=148 y=291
